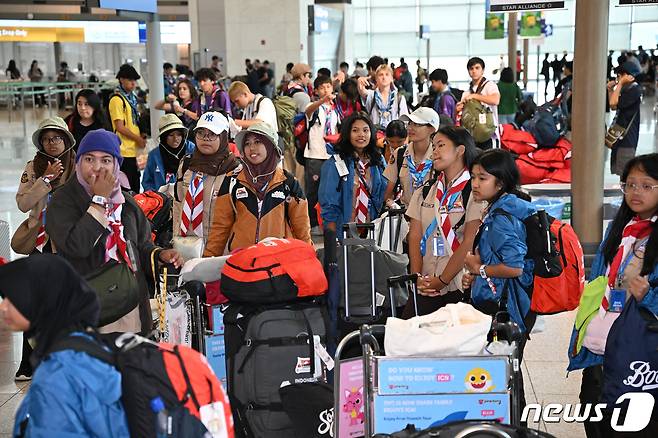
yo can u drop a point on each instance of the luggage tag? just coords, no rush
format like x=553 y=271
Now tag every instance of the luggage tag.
x=482 y=119
x=341 y=167
x=212 y=416
x=617 y=300
x=323 y=354
x=438 y=247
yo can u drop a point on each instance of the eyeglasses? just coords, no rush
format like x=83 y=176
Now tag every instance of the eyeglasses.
x=204 y=134
x=52 y=140
x=634 y=187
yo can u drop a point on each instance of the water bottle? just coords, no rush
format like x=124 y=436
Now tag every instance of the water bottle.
x=161 y=418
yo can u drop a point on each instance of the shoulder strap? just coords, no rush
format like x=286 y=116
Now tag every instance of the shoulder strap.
x=287 y=190
x=84 y=345
x=399 y=157
x=466 y=194
x=483 y=82
x=258 y=105
x=186 y=165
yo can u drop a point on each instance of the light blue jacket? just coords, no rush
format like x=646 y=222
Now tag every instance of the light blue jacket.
x=336 y=194
x=73 y=395
x=154 y=173
x=503 y=240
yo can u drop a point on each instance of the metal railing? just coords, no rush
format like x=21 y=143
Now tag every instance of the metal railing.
x=14 y=95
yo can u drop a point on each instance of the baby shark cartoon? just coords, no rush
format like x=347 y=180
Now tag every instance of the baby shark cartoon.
x=478 y=380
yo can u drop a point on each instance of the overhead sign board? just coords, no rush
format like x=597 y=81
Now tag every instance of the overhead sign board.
x=523 y=5
x=131 y=5
x=637 y=2
x=125 y=32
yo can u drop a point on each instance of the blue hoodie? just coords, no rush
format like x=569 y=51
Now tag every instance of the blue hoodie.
x=154 y=173
x=503 y=240
x=73 y=395
x=336 y=194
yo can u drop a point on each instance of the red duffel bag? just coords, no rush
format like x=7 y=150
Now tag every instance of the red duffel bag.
x=273 y=271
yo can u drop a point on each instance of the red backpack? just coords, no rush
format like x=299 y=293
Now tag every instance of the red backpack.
x=273 y=271
x=561 y=293
x=179 y=376
x=157 y=208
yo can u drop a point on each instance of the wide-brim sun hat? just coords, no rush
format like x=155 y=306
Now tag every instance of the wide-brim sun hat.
x=56 y=123
x=263 y=129
x=170 y=122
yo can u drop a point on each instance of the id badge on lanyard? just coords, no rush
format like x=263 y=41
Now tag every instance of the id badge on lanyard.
x=618 y=293
x=438 y=246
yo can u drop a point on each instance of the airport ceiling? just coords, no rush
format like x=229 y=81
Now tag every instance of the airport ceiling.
x=169 y=10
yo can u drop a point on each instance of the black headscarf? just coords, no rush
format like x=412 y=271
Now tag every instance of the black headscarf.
x=171 y=157
x=51 y=295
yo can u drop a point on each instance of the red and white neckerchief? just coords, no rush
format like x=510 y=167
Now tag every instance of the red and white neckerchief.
x=192 y=217
x=445 y=200
x=362 y=199
x=115 y=245
x=636 y=229
x=42 y=238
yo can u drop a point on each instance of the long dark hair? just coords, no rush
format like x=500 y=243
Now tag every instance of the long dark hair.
x=649 y=164
x=500 y=164
x=344 y=146
x=95 y=102
x=507 y=75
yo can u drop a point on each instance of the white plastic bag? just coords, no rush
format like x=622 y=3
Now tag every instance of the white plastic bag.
x=386 y=228
x=454 y=330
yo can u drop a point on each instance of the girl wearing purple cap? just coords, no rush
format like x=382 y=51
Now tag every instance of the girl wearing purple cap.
x=93 y=225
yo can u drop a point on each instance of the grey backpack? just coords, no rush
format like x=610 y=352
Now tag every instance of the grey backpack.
x=266 y=347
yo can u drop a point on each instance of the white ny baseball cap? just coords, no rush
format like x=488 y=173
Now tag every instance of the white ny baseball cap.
x=423 y=116
x=213 y=121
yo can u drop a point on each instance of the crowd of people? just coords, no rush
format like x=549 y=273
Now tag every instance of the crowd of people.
x=221 y=155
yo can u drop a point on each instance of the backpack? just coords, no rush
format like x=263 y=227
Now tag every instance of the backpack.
x=266 y=347
x=286 y=110
x=477 y=118
x=559 y=273
x=180 y=376
x=273 y=271
x=542 y=127
x=302 y=128
x=157 y=208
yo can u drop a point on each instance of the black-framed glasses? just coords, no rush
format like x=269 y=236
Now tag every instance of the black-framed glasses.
x=53 y=140
x=634 y=187
x=204 y=134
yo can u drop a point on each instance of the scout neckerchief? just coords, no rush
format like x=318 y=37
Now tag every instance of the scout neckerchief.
x=417 y=173
x=362 y=198
x=132 y=101
x=42 y=238
x=192 y=217
x=116 y=247
x=635 y=230
x=445 y=200
x=205 y=104
x=385 y=111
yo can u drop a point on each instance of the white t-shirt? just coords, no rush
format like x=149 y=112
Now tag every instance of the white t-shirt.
x=261 y=108
x=326 y=123
x=489 y=88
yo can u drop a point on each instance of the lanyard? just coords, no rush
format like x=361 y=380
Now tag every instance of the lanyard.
x=624 y=265
x=435 y=224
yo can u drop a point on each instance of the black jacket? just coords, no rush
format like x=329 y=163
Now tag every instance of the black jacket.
x=80 y=238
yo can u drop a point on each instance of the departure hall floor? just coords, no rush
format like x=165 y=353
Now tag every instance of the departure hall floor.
x=545 y=361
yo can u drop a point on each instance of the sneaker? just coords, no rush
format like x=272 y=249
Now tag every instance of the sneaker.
x=24 y=374
x=316 y=231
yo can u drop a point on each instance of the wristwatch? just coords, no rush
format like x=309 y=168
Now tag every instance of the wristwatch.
x=45 y=179
x=99 y=200
x=483 y=272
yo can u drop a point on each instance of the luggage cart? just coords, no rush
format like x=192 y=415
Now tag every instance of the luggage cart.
x=424 y=391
